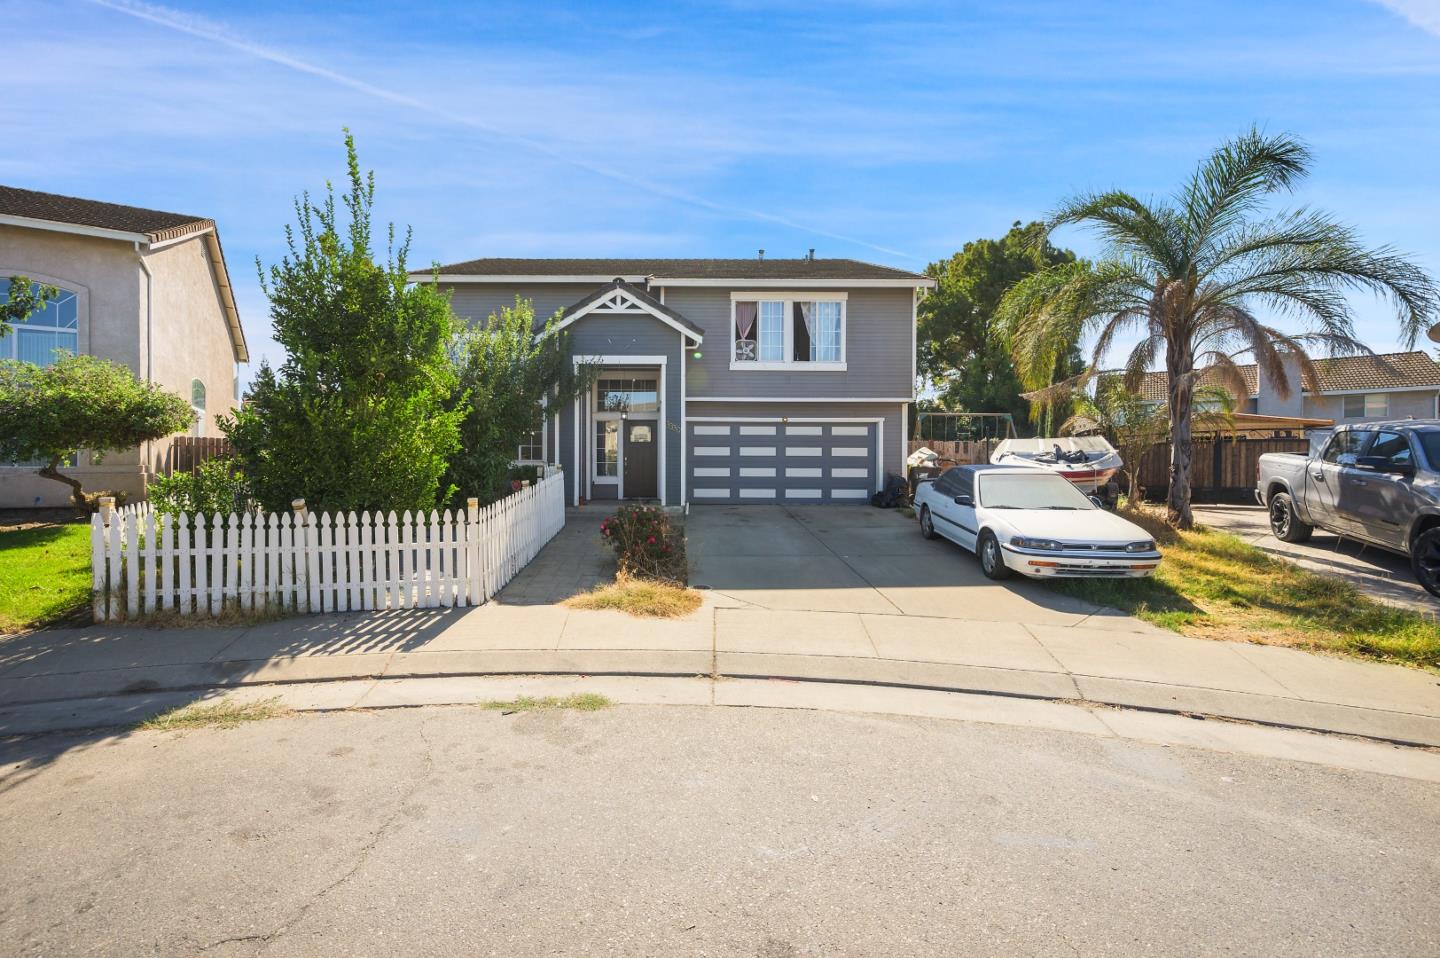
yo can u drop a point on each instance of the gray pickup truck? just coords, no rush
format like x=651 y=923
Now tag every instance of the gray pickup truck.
x=1377 y=483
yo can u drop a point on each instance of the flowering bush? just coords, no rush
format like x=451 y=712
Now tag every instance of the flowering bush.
x=647 y=545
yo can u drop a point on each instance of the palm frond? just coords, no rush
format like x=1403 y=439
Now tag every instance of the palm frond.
x=1234 y=180
x=1130 y=226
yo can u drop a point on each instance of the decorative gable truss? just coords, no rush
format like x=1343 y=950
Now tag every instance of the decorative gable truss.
x=622 y=299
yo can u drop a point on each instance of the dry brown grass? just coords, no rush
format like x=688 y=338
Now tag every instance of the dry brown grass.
x=1215 y=585
x=639 y=597
x=221 y=714
x=579 y=702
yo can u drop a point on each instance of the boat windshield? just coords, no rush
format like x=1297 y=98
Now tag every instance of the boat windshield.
x=1043 y=490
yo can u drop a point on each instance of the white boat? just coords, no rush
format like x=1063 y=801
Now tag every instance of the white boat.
x=1090 y=462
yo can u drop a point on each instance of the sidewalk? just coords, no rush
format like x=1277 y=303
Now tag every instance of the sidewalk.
x=1120 y=662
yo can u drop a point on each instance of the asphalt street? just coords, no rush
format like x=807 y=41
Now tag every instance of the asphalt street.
x=650 y=830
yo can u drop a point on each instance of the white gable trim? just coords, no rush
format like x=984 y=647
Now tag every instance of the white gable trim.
x=620 y=302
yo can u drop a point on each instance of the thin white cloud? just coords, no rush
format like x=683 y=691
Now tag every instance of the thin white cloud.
x=205 y=29
x=1424 y=14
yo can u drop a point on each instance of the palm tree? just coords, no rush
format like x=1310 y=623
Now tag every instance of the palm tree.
x=1189 y=275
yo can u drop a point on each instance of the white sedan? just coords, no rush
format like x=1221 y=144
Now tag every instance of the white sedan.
x=1032 y=522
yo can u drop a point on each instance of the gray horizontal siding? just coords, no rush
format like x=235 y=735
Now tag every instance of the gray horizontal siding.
x=877 y=349
x=474 y=302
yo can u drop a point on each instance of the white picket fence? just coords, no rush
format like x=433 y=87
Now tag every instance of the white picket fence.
x=143 y=562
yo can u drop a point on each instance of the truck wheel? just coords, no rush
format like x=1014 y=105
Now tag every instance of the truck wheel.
x=1284 y=522
x=991 y=562
x=1425 y=560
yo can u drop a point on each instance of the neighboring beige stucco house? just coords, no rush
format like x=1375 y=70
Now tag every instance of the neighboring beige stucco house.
x=141 y=287
x=1351 y=389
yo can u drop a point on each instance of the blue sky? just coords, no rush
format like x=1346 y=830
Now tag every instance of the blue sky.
x=887 y=131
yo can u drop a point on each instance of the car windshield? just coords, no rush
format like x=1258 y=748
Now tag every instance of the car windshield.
x=1043 y=490
x=1430 y=441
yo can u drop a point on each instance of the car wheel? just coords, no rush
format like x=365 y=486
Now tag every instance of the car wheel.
x=1425 y=560
x=927 y=523
x=992 y=563
x=1284 y=522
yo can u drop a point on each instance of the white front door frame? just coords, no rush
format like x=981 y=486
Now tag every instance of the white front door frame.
x=591 y=417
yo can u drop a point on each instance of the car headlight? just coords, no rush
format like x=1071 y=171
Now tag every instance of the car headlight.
x=1047 y=545
x=1145 y=545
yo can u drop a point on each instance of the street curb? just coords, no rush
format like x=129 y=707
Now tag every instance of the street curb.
x=1397 y=728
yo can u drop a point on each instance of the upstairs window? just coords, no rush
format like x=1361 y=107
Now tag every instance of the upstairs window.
x=788 y=331
x=1367 y=406
x=36 y=338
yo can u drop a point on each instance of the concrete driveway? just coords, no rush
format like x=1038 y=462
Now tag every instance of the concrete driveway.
x=859 y=560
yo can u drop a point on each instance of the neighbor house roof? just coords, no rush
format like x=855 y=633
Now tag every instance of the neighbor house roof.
x=155 y=225
x=1340 y=374
x=72 y=214
x=661 y=270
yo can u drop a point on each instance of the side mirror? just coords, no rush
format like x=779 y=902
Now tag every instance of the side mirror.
x=1098 y=502
x=964 y=501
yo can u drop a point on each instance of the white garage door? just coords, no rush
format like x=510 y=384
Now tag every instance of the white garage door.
x=777 y=462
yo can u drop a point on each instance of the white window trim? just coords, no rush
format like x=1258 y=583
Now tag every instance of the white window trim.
x=789 y=299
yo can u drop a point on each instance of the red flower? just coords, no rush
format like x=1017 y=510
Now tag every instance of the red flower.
x=651 y=540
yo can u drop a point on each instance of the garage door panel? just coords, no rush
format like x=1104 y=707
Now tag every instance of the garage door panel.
x=798 y=463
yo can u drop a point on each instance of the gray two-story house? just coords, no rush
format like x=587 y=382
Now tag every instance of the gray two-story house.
x=719 y=380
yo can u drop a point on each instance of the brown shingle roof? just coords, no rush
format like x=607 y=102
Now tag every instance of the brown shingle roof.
x=796 y=269
x=73 y=210
x=1340 y=374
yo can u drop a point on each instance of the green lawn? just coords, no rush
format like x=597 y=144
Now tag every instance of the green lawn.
x=1215 y=585
x=44 y=576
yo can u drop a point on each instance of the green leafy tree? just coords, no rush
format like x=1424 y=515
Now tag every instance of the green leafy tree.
x=1133 y=425
x=360 y=414
x=216 y=486
x=1186 y=278
x=505 y=374
x=961 y=352
x=80 y=402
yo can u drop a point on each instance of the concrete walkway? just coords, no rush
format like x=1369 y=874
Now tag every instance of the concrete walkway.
x=1381 y=575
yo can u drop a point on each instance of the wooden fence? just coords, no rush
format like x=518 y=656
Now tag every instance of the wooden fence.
x=1220 y=468
x=188 y=452
x=144 y=562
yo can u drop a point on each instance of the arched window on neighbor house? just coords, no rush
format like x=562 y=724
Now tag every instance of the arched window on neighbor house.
x=197 y=403
x=36 y=338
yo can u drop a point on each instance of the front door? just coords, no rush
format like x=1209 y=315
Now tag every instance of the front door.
x=641 y=461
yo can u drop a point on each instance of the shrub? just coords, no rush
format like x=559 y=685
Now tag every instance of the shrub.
x=647 y=545
x=217 y=486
